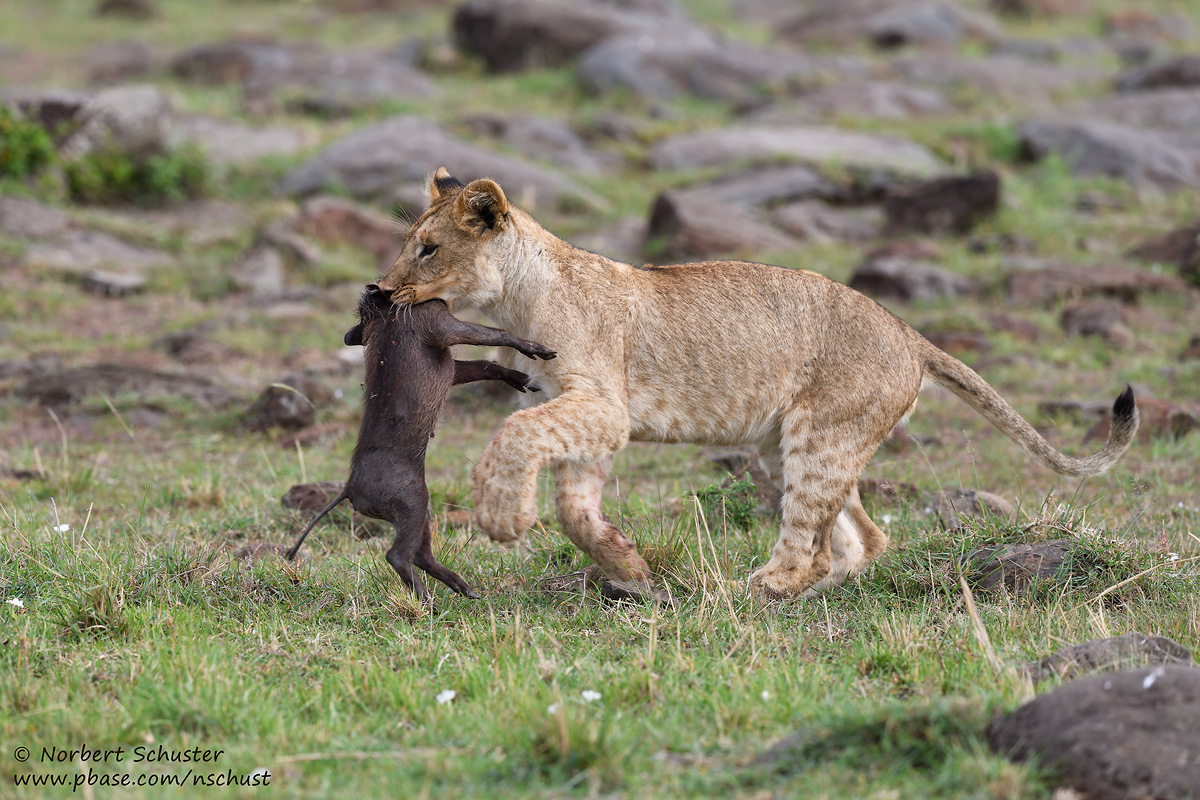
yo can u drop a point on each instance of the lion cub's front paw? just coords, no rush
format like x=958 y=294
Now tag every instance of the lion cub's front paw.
x=505 y=506
x=774 y=582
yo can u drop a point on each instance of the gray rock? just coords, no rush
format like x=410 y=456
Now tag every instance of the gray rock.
x=1172 y=247
x=1107 y=655
x=1004 y=76
x=133 y=119
x=1040 y=281
x=688 y=226
x=542 y=139
x=1177 y=72
x=227 y=143
x=671 y=63
x=927 y=23
x=312 y=497
x=259 y=271
x=282 y=407
x=1167 y=109
x=758 y=144
x=1113 y=736
x=64 y=387
x=1149 y=159
x=954 y=506
x=908 y=279
x=78 y=252
x=1098 y=318
x=512 y=35
x=114 y=284
x=624 y=240
x=400 y=152
x=1017 y=567
x=767 y=186
x=815 y=221
x=117 y=62
x=335 y=219
x=875 y=100
x=28 y=219
x=55 y=110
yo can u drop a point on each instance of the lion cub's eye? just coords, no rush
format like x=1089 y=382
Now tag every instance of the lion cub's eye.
x=426 y=250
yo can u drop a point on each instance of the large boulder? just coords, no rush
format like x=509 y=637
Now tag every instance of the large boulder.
x=1177 y=72
x=399 y=153
x=1113 y=736
x=908 y=279
x=1107 y=655
x=1042 y=281
x=951 y=204
x=134 y=119
x=759 y=144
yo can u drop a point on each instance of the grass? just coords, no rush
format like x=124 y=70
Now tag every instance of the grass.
x=138 y=627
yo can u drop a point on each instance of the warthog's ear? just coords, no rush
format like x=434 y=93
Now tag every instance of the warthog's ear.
x=442 y=184
x=481 y=206
x=354 y=335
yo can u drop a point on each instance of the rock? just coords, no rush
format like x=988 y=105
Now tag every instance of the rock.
x=907 y=279
x=64 y=387
x=1018 y=566
x=133 y=9
x=887 y=23
x=875 y=100
x=312 y=497
x=952 y=204
x=1019 y=328
x=670 y=63
x=1149 y=159
x=1112 y=736
x=818 y=222
x=282 y=236
x=281 y=406
x=1041 y=8
x=766 y=186
x=194 y=347
x=513 y=35
x=259 y=271
x=333 y=219
x=400 y=152
x=927 y=24
x=1164 y=109
x=1008 y=77
x=1042 y=281
x=28 y=219
x=253 y=551
x=543 y=139
x=319 y=434
x=952 y=505
x=1172 y=247
x=1160 y=419
x=1177 y=72
x=114 y=284
x=227 y=143
x=78 y=252
x=117 y=62
x=759 y=144
x=887 y=491
x=230 y=62
x=690 y=227
x=1107 y=655
x=54 y=109
x=133 y=119
x=1098 y=318
x=1192 y=351
x=197 y=223
x=624 y=240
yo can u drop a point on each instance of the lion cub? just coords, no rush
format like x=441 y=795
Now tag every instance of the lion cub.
x=809 y=371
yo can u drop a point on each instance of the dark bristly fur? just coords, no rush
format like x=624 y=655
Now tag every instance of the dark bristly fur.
x=409 y=372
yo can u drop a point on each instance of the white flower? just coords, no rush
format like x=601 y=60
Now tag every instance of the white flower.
x=16 y=601
x=62 y=528
x=446 y=696
x=589 y=696
x=766 y=695
x=886 y=519
x=553 y=708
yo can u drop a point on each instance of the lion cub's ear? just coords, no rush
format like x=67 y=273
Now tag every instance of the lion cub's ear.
x=442 y=184
x=481 y=206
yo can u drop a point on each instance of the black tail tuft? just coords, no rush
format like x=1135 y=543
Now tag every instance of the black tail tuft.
x=1125 y=407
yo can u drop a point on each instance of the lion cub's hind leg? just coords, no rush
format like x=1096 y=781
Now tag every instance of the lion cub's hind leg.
x=854 y=543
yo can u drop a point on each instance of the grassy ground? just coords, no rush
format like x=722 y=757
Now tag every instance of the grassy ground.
x=137 y=627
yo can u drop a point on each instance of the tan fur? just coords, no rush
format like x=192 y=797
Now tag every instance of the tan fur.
x=812 y=373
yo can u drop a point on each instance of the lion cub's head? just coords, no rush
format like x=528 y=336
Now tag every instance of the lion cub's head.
x=452 y=251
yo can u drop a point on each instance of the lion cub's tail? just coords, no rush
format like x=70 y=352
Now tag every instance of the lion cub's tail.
x=973 y=390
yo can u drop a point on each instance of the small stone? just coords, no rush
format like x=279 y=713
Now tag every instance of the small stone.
x=908 y=280
x=281 y=407
x=114 y=284
x=1160 y=419
x=953 y=505
x=952 y=204
x=1016 y=567
x=1105 y=655
x=259 y=271
x=1098 y=318
x=312 y=496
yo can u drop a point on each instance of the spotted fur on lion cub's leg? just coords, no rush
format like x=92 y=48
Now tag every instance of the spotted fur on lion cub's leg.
x=578 y=489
